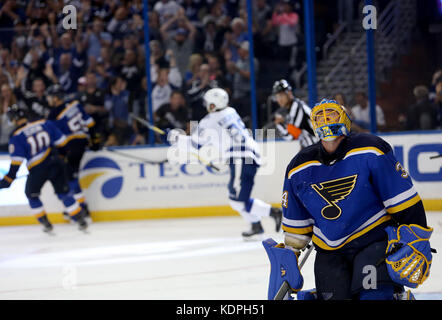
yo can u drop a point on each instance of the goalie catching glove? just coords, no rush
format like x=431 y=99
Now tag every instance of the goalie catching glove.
x=409 y=254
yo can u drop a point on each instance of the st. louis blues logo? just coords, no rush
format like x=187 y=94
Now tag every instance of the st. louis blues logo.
x=334 y=191
x=99 y=167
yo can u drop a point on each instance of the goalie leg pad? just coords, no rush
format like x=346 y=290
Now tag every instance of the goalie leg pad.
x=284 y=267
x=307 y=295
x=409 y=254
x=384 y=292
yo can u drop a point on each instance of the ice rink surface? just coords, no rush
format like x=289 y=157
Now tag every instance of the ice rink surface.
x=173 y=259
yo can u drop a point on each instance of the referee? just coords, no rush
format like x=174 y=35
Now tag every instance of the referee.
x=294 y=124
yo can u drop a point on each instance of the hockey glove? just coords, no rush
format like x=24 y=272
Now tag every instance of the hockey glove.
x=174 y=135
x=409 y=254
x=4 y=183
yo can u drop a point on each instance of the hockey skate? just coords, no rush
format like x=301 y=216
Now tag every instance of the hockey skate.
x=66 y=216
x=276 y=214
x=47 y=226
x=87 y=213
x=255 y=233
x=81 y=220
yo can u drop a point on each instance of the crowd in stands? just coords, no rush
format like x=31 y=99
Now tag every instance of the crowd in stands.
x=426 y=111
x=194 y=45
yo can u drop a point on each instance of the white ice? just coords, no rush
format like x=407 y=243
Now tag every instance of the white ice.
x=193 y=258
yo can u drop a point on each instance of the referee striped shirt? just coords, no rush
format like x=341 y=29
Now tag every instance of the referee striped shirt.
x=298 y=124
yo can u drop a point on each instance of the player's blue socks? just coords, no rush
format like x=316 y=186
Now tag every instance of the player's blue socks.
x=72 y=207
x=74 y=186
x=37 y=209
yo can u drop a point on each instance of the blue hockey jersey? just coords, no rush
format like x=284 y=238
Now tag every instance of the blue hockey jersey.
x=340 y=199
x=33 y=142
x=72 y=120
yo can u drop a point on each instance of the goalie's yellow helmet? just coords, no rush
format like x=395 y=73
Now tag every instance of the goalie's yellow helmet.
x=330 y=120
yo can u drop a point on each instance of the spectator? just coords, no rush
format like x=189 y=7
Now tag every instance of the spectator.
x=166 y=9
x=154 y=26
x=97 y=38
x=195 y=61
x=162 y=88
x=181 y=42
x=361 y=113
x=423 y=114
x=241 y=79
x=211 y=37
x=67 y=72
x=130 y=72
x=8 y=17
x=33 y=68
x=174 y=76
x=340 y=99
x=287 y=23
x=233 y=39
x=81 y=87
x=216 y=74
x=93 y=100
x=266 y=36
x=7 y=99
x=104 y=68
x=64 y=45
x=5 y=77
x=192 y=8
x=116 y=103
x=119 y=27
x=438 y=102
x=156 y=52
x=34 y=100
x=437 y=77
x=195 y=91
x=174 y=114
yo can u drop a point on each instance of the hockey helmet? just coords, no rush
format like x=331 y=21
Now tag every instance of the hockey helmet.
x=215 y=99
x=16 y=112
x=56 y=90
x=281 y=86
x=330 y=120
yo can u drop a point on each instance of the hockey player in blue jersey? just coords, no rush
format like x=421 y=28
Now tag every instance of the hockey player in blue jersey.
x=39 y=143
x=350 y=196
x=240 y=151
x=78 y=127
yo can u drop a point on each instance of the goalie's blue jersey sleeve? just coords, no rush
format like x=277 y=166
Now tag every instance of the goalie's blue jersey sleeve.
x=33 y=142
x=338 y=201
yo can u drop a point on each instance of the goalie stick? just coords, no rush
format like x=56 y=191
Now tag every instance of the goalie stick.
x=285 y=289
x=161 y=132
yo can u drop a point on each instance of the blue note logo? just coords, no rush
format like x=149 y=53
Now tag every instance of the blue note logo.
x=106 y=171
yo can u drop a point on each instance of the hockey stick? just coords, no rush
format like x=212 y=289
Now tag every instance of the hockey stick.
x=147 y=124
x=134 y=157
x=285 y=289
x=19 y=177
x=435 y=157
x=158 y=130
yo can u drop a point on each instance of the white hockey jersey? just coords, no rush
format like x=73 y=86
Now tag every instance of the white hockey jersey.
x=225 y=131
